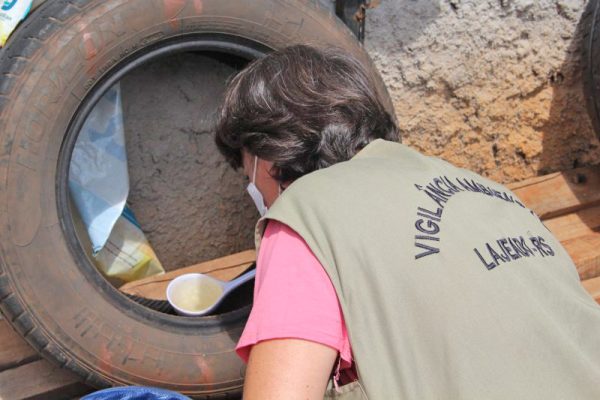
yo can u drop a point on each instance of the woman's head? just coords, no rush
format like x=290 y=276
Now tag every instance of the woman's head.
x=302 y=109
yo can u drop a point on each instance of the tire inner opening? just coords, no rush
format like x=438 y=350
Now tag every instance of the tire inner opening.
x=189 y=203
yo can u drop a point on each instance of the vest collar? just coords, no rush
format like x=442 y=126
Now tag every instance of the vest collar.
x=376 y=148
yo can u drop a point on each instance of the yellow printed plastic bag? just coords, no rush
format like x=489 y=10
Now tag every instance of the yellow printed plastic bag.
x=11 y=13
x=127 y=255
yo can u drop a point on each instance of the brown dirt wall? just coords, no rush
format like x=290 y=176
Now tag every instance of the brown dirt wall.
x=493 y=86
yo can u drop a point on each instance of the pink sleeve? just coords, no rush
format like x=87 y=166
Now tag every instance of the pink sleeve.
x=293 y=297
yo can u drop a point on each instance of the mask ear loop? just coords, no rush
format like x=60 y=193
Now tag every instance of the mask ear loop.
x=255 y=165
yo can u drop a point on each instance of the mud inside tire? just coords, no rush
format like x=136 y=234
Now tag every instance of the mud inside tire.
x=53 y=70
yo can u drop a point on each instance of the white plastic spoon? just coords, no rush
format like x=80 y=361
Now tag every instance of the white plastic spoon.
x=198 y=294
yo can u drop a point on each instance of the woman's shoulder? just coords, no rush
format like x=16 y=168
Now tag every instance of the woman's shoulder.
x=293 y=297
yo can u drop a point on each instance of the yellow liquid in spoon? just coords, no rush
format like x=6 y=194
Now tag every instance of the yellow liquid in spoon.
x=197 y=295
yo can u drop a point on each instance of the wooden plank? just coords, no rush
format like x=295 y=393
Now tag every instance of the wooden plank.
x=579 y=233
x=582 y=223
x=569 y=204
x=14 y=350
x=40 y=380
x=561 y=192
x=593 y=288
x=585 y=252
x=225 y=268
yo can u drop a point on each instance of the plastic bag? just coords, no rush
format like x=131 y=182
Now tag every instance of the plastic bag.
x=99 y=186
x=98 y=177
x=11 y=13
x=127 y=255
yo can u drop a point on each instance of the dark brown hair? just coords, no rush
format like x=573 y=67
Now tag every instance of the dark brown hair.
x=302 y=108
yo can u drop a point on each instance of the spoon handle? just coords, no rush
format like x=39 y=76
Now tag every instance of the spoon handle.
x=240 y=280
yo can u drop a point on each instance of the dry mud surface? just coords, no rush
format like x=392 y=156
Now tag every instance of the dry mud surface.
x=494 y=86
x=189 y=202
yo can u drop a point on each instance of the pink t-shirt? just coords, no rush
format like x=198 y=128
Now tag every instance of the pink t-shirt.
x=293 y=297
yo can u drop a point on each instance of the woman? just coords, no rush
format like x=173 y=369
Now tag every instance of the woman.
x=392 y=274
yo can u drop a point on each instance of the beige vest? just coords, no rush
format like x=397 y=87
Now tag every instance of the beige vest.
x=449 y=286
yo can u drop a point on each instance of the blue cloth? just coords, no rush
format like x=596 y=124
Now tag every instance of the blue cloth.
x=135 y=393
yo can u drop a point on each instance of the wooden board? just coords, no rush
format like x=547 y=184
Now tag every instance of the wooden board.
x=224 y=268
x=561 y=192
x=579 y=233
x=593 y=288
x=14 y=350
x=571 y=226
x=585 y=251
x=25 y=375
x=40 y=380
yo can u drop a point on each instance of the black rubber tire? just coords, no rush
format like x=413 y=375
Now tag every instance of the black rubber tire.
x=51 y=69
x=589 y=26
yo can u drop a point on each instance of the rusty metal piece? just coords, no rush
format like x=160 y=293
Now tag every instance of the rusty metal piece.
x=372 y=3
x=353 y=14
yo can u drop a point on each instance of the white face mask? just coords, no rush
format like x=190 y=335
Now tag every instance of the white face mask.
x=256 y=195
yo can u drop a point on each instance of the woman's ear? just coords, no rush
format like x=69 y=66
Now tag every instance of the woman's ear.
x=275 y=172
